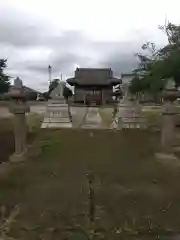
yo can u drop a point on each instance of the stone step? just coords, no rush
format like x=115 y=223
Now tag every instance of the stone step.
x=56 y=125
x=91 y=126
x=58 y=120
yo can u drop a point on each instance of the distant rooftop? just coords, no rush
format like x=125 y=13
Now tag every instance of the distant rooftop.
x=127 y=75
x=93 y=69
x=27 y=89
x=93 y=76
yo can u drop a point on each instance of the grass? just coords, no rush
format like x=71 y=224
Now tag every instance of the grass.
x=34 y=122
x=153 y=118
x=135 y=196
x=133 y=192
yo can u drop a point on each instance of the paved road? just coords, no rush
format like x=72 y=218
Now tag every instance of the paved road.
x=4 y=112
x=78 y=113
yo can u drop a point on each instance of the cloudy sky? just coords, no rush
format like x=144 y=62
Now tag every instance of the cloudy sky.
x=84 y=33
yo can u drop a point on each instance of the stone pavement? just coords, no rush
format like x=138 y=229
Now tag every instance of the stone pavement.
x=93 y=118
x=78 y=116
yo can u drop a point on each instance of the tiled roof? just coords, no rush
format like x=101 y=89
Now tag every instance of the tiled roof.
x=93 y=76
x=81 y=81
x=27 y=89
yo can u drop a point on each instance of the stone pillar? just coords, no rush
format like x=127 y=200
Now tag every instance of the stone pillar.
x=19 y=108
x=168 y=131
x=103 y=96
x=84 y=97
x=20 y=132
x=169 y=94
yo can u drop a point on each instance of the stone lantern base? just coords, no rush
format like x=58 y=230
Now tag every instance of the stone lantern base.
x=169 y=160
x=166 y=156
x=17 y=158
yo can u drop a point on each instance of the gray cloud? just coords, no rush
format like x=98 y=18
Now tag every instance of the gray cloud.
x=30 y=45
x=121 y=64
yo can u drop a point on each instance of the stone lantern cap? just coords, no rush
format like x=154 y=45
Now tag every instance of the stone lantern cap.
x=17 y=91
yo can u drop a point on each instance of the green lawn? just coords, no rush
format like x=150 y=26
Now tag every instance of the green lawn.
x=133 y=192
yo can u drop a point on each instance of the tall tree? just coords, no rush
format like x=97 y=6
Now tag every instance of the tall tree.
x=4 y=79
x=53 y=85
x=157 y=65
x=67 y=92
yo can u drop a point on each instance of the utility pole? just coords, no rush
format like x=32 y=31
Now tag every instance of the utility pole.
x=49 y=73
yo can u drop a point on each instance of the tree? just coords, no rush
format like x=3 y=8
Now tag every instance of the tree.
x=67 y=92
x=157 y=65
x=46 y=95
x=54 y=83
x=31 y=96
x=4 y=79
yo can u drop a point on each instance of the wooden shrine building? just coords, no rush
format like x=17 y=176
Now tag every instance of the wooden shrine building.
x=93 y=85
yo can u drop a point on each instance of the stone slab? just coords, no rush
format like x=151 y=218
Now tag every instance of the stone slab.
x=56 y=125
x=91 y=126
x=57 y=104
x=166 y=156
x=56 y=120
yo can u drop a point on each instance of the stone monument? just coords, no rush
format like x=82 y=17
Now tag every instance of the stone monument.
x=170 y=94
x=129 y=112
x=19 y=108
x=57 y=112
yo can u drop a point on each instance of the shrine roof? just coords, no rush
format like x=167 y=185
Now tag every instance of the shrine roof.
x=93 y=76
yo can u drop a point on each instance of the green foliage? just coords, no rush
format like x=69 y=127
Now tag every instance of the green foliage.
x=46 y=95
x=157 y=65
x=31 y=96
x=67 y=92
x=4 y=79
x=53 y=85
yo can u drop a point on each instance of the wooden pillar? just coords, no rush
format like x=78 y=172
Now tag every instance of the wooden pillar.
x=103 y=96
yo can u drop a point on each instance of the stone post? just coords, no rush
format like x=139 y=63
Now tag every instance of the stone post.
x=168 y=123
x=168 y=129
x=19 y=108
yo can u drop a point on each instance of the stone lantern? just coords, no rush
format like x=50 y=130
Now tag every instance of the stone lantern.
x=19 y=107
x=170 y=94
